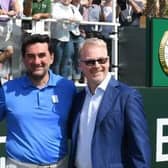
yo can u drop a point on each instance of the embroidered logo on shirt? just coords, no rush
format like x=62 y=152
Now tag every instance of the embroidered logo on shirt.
x=54 y=99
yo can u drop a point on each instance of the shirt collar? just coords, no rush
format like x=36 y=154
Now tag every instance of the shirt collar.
x=104 y=83
x=53 y=79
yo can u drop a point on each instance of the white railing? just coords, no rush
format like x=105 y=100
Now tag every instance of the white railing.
x=2 y=162
x=2 y=159
x=2 y=139
x=114 y=38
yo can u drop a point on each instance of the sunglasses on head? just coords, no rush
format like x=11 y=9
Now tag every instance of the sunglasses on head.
x=91 y=62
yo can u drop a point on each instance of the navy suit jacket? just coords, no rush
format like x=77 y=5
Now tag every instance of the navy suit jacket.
x=120 y=138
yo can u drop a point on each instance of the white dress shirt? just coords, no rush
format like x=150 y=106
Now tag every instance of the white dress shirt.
x=87 y=124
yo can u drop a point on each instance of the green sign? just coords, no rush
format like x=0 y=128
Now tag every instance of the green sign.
x=159 y=51
x=156 y=109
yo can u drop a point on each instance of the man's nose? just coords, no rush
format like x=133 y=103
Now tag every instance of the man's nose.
x=96 y=63
x=36 y=60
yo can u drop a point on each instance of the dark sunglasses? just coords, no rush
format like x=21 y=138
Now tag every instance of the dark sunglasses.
x=91 y=62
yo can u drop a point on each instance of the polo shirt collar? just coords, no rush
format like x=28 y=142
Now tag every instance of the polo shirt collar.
x=52 y=80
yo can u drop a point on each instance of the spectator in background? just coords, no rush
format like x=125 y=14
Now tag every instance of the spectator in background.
x=108 y=30
x=107 y=10
x=41 y=9
x=37 y=9
x=6 y=64
x=131 y=15
x=77 y=40
x=65 y=34
x=92 y=11
x=8 y=8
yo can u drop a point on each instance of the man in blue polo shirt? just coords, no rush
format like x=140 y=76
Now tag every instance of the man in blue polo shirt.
x=36 y=107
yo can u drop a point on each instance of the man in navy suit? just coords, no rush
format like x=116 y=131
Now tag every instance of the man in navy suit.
x=108 y=124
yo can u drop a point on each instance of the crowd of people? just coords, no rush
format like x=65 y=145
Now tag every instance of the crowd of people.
x=66 y=33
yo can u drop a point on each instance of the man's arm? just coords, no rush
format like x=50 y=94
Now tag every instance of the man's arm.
x=15 y=8
x=2 y=104
x=136 y=8
x=139 y=149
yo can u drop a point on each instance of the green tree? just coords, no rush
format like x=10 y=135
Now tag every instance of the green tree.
x=151 y=9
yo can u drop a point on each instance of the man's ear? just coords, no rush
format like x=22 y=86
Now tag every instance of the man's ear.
x=52 y=58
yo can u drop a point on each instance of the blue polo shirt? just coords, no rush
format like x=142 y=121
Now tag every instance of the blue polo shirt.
x=36 y=118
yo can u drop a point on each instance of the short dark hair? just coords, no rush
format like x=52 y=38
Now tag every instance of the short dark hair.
x=36 y=38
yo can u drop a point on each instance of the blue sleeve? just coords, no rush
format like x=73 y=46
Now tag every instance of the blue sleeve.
x=137 y=132
x=2 y=104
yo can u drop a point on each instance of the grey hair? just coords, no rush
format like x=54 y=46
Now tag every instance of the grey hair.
x=92 y=41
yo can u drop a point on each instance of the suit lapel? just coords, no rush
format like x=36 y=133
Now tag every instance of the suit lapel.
x=79 y=103
x=107 y=100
